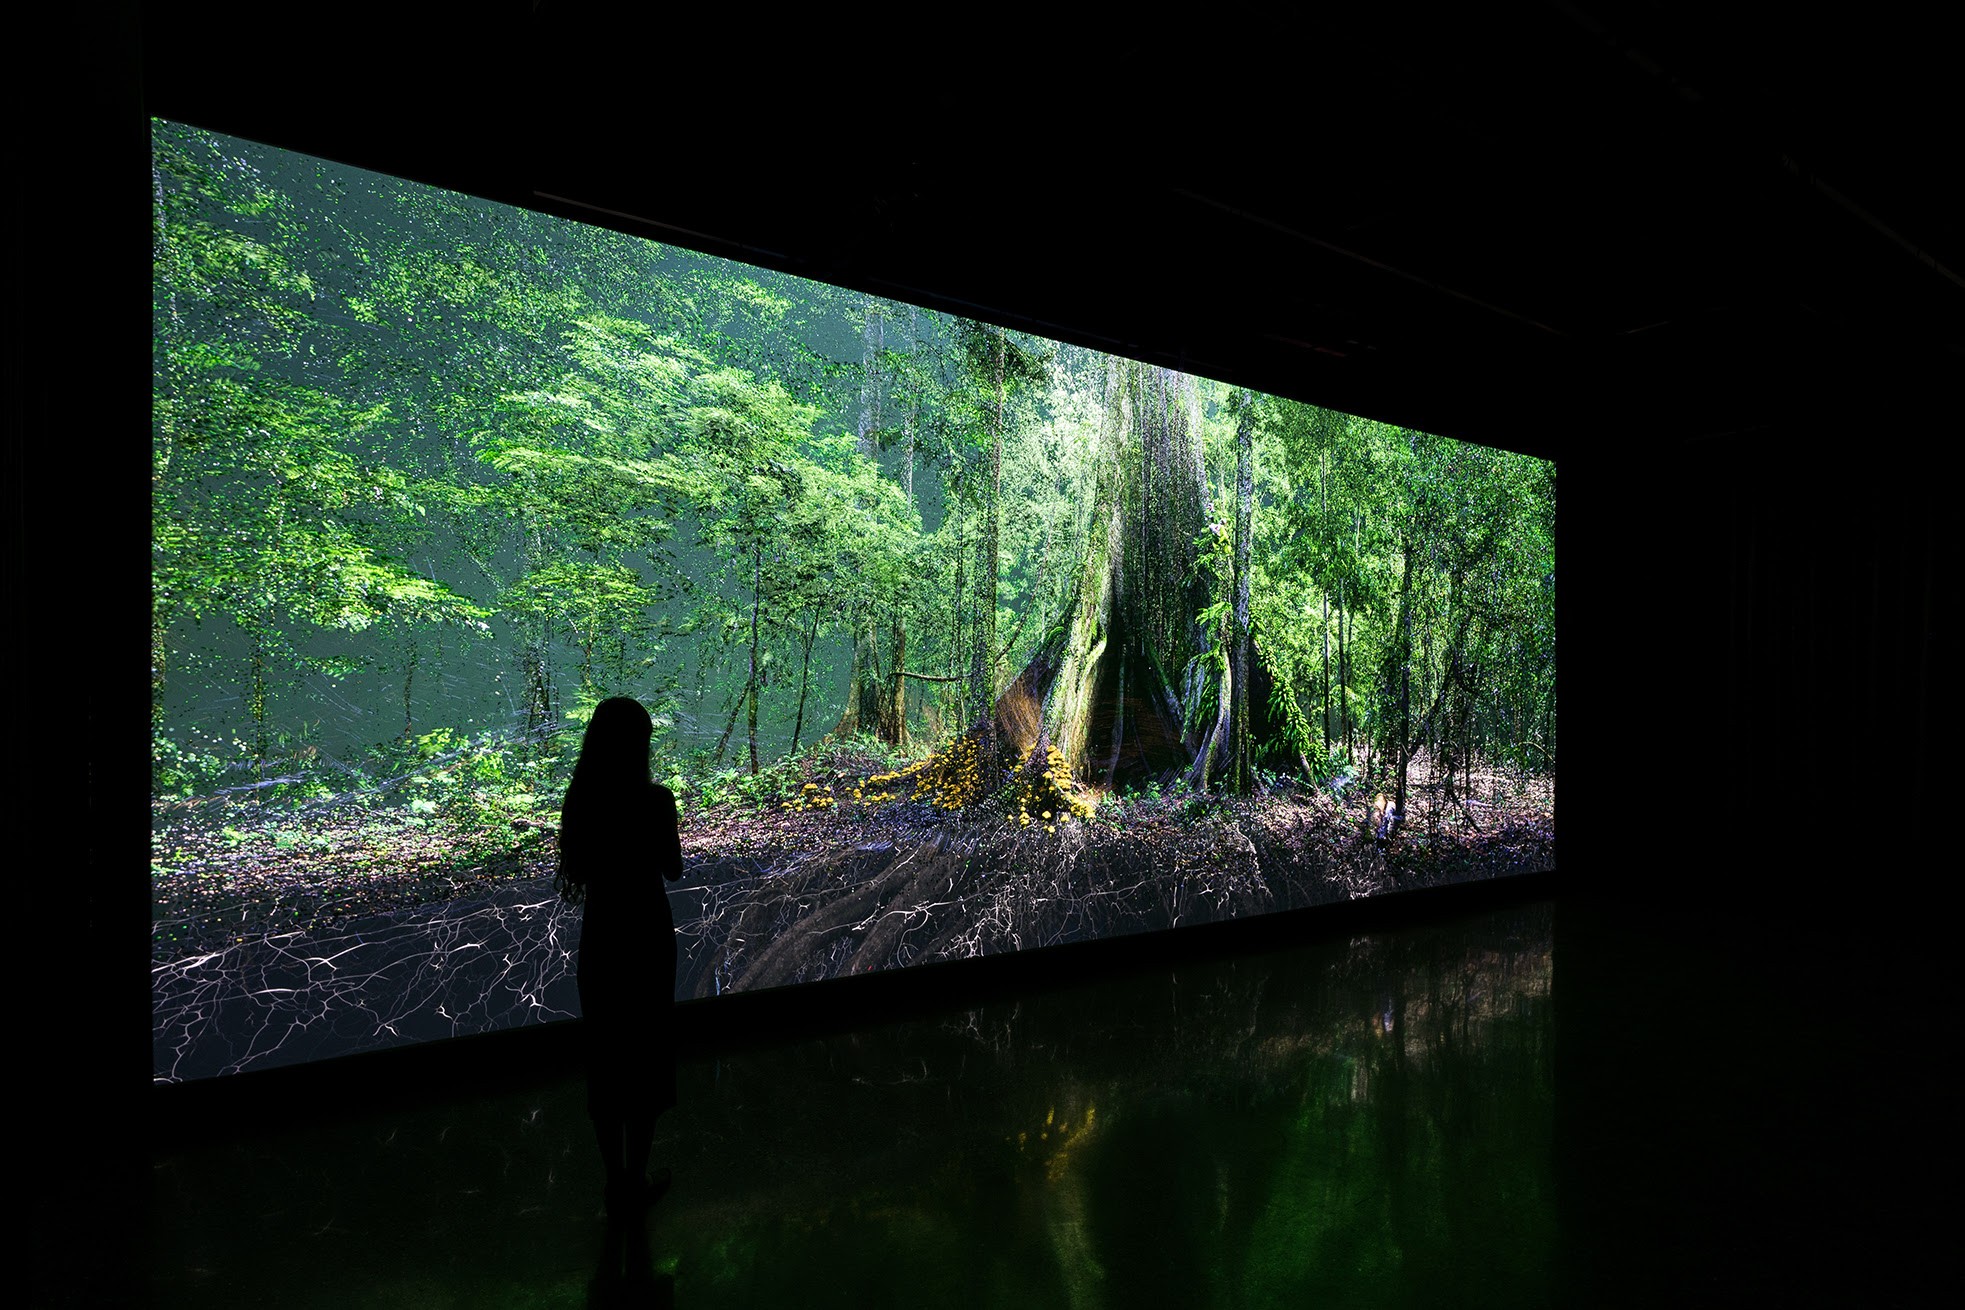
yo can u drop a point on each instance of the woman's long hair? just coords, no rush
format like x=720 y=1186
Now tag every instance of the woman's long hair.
x=613 y=765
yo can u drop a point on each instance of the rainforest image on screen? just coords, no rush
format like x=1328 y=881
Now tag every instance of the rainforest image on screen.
x=957 y=640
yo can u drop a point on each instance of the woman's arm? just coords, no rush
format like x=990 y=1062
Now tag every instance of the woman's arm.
x=668 y=834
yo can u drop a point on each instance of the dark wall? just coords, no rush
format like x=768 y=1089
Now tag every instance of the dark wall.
x=1749 y=965
x=76 y=580
x=1751 y=667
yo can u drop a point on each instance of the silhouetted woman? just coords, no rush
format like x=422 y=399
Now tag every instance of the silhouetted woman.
x=617 y=845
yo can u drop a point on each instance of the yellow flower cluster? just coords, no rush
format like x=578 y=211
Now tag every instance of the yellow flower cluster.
x=811 y=798
x=1049 y=795
x=877 y=788
x=952 y=780
x=949 y=780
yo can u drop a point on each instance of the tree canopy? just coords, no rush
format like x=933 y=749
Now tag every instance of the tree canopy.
x=486 y=468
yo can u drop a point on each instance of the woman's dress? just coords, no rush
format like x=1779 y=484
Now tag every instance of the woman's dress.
x=627 y=849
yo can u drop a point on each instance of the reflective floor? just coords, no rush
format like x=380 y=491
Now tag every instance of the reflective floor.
x=1350 y=1123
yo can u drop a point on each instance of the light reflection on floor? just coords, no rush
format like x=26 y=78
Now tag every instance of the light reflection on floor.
x=1358 y=1123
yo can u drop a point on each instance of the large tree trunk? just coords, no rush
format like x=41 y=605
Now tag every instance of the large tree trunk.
x=1105 y=686
x=1119 y=685
x=1215 y=740
x=893 y=709
x=849 y=714
x=868 y=694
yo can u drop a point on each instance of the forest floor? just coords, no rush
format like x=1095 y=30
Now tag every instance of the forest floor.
x=220 y=874
x=834 y=881
x=867 y=882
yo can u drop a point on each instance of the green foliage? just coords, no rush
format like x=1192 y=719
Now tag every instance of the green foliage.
x=699 y=782
x=1296 y=737
x=268 y=515
x=178 y=772
x=1199 y=806
x=435 y=745
x=401 y=439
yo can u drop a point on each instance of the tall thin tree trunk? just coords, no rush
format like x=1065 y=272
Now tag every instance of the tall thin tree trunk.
x=854 y=716
x=539 y=683
x=1549 y=727
x=757 y=598
x=978 y=707
x=913 y=409
x=804 y=680
x=751 y=703
x=958 y=596
x=992 y=525
x=894 y=725
x=1241 y=776
x=1432 y=727
x=1357 y=552
x=1143 y=413
x=730 y=724
x=1118 y=721
x=1223 y=716
x=1344 y=671
x=1323 y=595
x=982 y=661
x=159 y=663
x=1467 y=731
x=256 y=699
x=537 y=665
x=1404 y=743
x=409 y=678
x=872 y=339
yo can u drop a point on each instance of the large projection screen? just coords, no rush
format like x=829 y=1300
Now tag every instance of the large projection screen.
x=958 y=641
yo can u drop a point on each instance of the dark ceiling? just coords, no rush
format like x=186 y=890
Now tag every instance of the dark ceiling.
x=1553 y=230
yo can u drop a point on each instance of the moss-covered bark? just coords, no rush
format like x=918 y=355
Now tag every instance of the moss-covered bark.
x=1128 y=686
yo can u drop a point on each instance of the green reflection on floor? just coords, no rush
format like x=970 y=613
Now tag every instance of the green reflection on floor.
x=1367 y=1124
x=1362 y=1123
